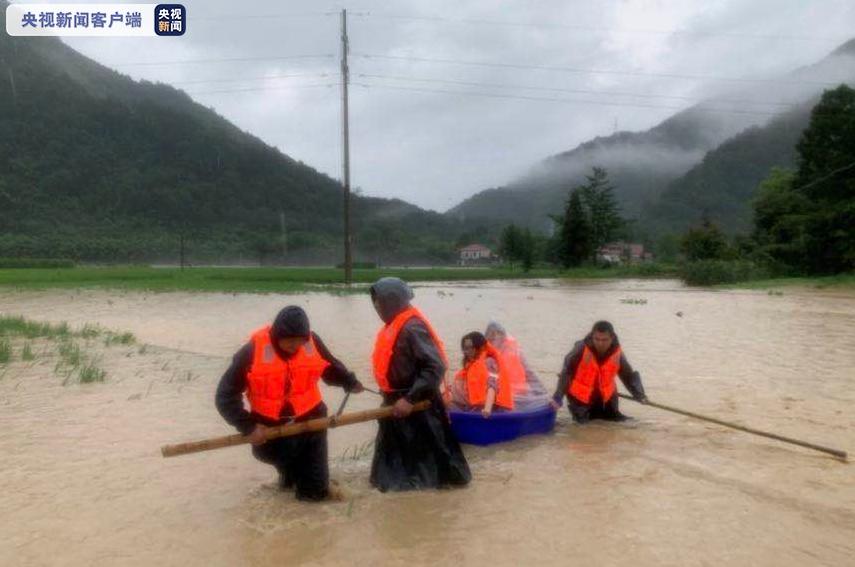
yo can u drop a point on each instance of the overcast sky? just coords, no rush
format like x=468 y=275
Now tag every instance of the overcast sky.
x=436 y=148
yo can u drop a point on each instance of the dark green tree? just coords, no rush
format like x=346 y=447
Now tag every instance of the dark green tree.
x=575 y=237
x=511 y=244
x=780 y=218
x=804 y=221
x=528 y=249
x=667 y=247
x=826 y=176
x=518 y=245
x=705 y=242
x=602 y=208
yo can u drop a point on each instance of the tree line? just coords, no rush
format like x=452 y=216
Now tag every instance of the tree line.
x=590 y=220
x=803 y=218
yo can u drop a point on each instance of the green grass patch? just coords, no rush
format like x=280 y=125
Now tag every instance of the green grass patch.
x=716 y=272
x=91 y=372
x=70 y=354
x=73 y=360
x=289 y=280
x=90 y=331
x=840 y=281
x=356 y=452
x=27 y=353
x=16 y=325
x=5 y=350
x=119 y=339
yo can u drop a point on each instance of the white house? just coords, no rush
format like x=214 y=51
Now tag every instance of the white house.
x=475 y=254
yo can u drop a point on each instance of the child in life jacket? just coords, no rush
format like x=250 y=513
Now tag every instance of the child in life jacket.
x=481 y=385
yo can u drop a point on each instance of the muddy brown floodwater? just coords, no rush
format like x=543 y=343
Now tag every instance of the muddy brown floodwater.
x=83 y=482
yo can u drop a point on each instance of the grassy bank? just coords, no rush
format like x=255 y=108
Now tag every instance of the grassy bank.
x=840 y=281
x=282 y=279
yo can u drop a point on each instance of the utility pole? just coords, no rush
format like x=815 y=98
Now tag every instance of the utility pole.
x=345 y=132
x=181 y=251
x=284 y=235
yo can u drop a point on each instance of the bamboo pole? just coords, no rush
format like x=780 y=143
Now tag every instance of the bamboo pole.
x=289 y=430
x=834 y=452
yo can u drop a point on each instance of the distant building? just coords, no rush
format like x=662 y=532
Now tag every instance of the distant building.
x=475 y=254
x=623 y=253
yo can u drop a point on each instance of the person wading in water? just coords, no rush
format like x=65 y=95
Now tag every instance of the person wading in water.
x=418 y=450
x=278 y=371
x=588 y=377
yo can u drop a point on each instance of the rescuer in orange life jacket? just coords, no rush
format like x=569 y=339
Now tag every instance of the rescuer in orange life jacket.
x=278 y=370
x=418 y=449
x=588 y=377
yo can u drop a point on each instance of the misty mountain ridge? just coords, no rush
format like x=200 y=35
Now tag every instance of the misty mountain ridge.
x=643 y=164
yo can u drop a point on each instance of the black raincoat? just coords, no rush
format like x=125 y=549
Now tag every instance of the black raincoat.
x=301 y=460
x=419 y=451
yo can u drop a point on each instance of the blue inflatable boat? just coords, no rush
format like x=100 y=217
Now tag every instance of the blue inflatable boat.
x=474 y=429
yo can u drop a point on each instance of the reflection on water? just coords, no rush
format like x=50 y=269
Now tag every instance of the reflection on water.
x=84 y=483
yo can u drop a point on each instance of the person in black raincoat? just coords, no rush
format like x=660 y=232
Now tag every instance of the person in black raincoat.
x=602 y=344
x=414 y=450
x=301 y=460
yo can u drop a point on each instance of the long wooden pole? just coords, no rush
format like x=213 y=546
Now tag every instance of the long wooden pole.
x=285 y=430
x=834 y=452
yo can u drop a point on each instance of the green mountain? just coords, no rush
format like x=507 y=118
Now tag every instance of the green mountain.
x=722 y=186
x=96 y=166
x=644 y=165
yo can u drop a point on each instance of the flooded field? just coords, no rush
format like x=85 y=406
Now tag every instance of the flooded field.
x=83 y=481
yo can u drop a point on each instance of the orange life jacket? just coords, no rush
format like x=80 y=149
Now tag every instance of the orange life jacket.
x=385 y=344
x=475 y=375
x=591 y=374
x=510 y=355
x=273 y=382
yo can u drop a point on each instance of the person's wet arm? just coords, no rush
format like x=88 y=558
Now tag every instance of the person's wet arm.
x=229 y=397
x=492 y=387
x=631 y=379
x=336 y=374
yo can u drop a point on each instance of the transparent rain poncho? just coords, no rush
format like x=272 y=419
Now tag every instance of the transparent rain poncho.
x=529 y=392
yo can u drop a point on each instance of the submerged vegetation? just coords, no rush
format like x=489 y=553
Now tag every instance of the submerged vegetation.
x=74 y=362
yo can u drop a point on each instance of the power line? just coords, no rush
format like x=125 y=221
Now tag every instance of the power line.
x=245 y=16
x=254 y=89
x=577 y=27
x=565 y=90
x=218 y=60
x=587 y=71
x=266 y=77
x=568 y=100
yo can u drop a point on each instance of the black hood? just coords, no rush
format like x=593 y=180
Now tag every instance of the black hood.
x=292 y=321
x=393 y=296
